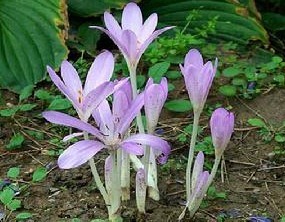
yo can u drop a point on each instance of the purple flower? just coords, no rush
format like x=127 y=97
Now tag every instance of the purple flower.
x=154 y=98
x=222 y=127
x=97 y=86
x=197 y=169
x=111 y=134
x=133 y=36
x=198 y=78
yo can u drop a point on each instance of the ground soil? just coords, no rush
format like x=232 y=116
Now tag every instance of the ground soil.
x=254 y=179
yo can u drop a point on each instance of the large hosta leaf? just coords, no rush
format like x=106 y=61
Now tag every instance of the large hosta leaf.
x=86 y=8
x=237 y=20
x=31 y=37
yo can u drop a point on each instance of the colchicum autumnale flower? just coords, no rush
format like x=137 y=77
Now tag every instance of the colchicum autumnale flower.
x=97 y=85
x=133 y=36
x=111 y=134
x=198 y=78
x=222 y=127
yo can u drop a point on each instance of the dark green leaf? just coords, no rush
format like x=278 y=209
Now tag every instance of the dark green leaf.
x=228 y=90
x=60 y=104
x=6 y=196
x=43 y=95
x=27 y=107
x=26 y=92
x=256 y=122
x=173 y=74
x=140 y=81
x=39 y=174
x=158 y=70
x=14 y=205
x=15 y=142
x=13 y=172
x=32 y=36
x=179 y=105
x=24 y=216
x=280 y=138
x=231 y=72
x=9 y=112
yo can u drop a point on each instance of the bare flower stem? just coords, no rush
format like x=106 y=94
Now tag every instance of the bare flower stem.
x=191 y=154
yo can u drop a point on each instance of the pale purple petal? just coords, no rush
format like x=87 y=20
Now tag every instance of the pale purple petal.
x=132 y=148
x=131 y=113
x=222 y=126
x=112 y=25
x=132 y=18
x=194 y=58
x=130 y=42
x=154 y=98
x=148 y=28
x=66 y=120
x=95 y=97
x=147 y=42
x=100 y=71
x=201 y=183
x=158 y=144
x=79 y=153
x=120 y=105
x=104 y=118
x=197 y=169
x=71 y=136
x=141 y=188
x=116 y=39
x=125 y=86
x=60 y=85
x=71 y=80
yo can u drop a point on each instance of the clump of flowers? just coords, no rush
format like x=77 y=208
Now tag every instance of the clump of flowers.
x=111 y=132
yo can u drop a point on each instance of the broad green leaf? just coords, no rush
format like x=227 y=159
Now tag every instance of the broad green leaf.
x=60 y=104
x=140 y=81
x=39 y=174
x=231 y=72
x=43 y=95
x=158 y=70
x=6 y=195
x=27 y=107
x=15 y=142
x=24 y=216
x=280 y=138
x=87 y=8
x=13 y=172
x=14 y=205
x=239 y=82
x=228 y=90
x=273 y=21
x=32 y=36
x=178 y=105
x=232 y=15
x=26 y=92
x=256 y=122
x=9 y=112
x=173 y=74
x=170 y=87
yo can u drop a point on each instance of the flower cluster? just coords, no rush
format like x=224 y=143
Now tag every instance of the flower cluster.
x=113 y=120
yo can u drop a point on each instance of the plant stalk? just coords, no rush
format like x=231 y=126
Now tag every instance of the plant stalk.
x=191 y=154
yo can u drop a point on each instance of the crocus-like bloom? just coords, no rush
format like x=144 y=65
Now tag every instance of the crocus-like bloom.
x=198 y=78
x=111 y=134
x=222 y=127
x=134 y=36
x=154 y=98
x=97 y=86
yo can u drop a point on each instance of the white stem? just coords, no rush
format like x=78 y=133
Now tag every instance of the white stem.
x=115 y=196
x=125 y=176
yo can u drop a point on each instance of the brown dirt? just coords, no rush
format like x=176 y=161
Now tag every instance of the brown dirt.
x=254 y=180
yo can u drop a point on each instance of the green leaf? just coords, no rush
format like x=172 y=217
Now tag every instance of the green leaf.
x=24 y=216
x=13 y=172
x=239 y=82
x=280 y=79
x=280 y=138
x=14 y=205
x=231 y=72
x=16 y=141
x=27 y=107
x=178 y=105
x=273 y=21
x=140 y=81
x=39 y=174
x=26 y=92
x=6 y=196
x=257 y=122
x=158 y=70
x=32 y=36
x=170 y=87
x=60 y=104
x=87 y=8
x=228 y=90
x=44 y=95
x=173 y=74
x=9 y=112
x=232 y=15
